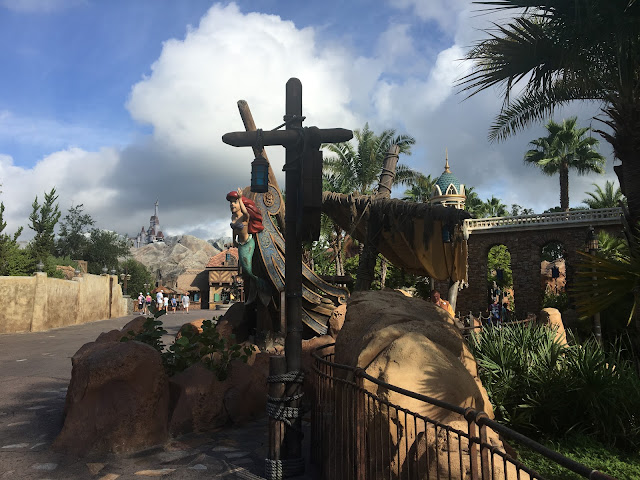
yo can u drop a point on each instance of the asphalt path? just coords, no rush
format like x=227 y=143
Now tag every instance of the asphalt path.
x=35 y=369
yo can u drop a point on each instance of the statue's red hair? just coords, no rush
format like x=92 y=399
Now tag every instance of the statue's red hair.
x=255 y=217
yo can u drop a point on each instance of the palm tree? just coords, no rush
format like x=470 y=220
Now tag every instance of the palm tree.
x=607 y=198
x=472 y=203
x=565 y=147
x=420 y=189
x=356 y=168
x=494 y=207
x=564 y=51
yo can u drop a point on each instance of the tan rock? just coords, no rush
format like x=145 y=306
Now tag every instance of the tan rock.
x=110 y=336
x=117 y=401
x=135 y=325
x=204 y=403
x=194 y=326
x=412 y=344
x=552 y=318
x=336 y=320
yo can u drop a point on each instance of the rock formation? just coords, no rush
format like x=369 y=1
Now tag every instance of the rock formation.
x=414 y=345
x=175 y=256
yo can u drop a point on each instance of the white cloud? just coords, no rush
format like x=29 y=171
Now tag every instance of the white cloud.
x=189 y=100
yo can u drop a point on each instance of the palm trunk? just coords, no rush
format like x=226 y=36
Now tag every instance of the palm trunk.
x=383 y=271
x=564 y=186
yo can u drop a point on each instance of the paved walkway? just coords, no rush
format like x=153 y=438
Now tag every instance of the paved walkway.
x=35 y=369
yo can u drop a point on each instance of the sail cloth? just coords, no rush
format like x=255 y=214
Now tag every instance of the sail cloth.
x=408 y=234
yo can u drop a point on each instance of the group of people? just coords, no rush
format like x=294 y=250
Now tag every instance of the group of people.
x=163 y=302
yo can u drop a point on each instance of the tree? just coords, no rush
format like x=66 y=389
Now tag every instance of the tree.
x=139 y=276
x=473 y=203
x=72 y=241
x=607 y=198
x=13 y=260
x=104 y=249
x=493 y=207
x=518 y=210
x=356 y=169
x=420 y=189
x=566 y=147
x=43 y=220
x=561 y=52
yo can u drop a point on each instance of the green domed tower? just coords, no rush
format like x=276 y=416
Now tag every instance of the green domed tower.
x=448 y=190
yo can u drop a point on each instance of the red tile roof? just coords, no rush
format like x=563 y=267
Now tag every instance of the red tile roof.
x=219 y=259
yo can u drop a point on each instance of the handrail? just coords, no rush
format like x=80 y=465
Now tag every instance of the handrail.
x=471 y=415
x=597 y=215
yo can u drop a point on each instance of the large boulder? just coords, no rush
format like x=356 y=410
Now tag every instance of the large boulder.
x=135 y=326
x=414 y=345
x=552 y=318
x=201 y=402
x=236 y=318
x=336 y=320
x=117 y=400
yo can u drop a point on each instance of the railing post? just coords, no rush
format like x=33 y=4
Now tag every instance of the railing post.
x=470 y=415
x=361 y=470
x=484 y=452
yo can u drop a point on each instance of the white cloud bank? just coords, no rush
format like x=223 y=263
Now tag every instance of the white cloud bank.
x=189 y=100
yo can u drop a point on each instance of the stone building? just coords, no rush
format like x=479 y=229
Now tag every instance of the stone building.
x=152 y=234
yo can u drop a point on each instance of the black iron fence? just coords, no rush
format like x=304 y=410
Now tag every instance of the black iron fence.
x=357 y=433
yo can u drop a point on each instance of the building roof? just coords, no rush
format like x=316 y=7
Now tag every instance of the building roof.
x=193 y=281
x=220 y=259
x=447 y=178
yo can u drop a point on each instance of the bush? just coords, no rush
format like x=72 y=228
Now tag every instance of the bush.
x=545 y=389
x=585 y=450
x=209 y=347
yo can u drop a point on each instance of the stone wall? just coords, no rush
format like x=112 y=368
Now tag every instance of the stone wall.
x=525 y=248
x=33 y=304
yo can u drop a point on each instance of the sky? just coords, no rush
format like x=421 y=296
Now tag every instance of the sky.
x=120 y=103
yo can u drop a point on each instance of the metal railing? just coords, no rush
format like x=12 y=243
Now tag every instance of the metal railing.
x=599 y=216
x=357 y=433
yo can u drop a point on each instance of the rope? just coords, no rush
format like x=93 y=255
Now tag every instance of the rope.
x=279 y=469
x=289 y=377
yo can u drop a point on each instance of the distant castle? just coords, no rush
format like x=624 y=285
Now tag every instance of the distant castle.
x=153 y=234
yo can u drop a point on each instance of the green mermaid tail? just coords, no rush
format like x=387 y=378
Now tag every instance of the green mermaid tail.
x=261 y=287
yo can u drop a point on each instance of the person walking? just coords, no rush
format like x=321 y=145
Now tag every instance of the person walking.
x=174 y=303
x=185 y=302
x=159 y=300
x=141 y=303
x=147 y=301
x=166 y=303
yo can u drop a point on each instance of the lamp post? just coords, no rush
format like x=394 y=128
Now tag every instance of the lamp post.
x=592 y=247
x=104 y=270
x=125 y=277
x=40 y=266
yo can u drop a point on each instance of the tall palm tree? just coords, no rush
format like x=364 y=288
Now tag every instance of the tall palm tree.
x=493 y=207
x=473 y=204
x=420 y=189
x=561 y=51
x=566 y=147
x=607 y=198
x=356 y=168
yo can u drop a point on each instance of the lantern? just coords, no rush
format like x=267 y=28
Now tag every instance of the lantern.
x=260 y=175
x=592 y=241
x=500 y=274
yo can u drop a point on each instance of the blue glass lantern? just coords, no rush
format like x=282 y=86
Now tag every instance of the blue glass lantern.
x=260 y=175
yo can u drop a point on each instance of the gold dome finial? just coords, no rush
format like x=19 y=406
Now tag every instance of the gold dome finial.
x=446 y=163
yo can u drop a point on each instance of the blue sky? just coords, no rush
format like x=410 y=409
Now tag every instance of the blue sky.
x=117 y=103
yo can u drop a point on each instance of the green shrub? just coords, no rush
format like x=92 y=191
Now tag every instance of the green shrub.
x=209 y=347
x=545 y=389
x=585 y=450
x=555 y=300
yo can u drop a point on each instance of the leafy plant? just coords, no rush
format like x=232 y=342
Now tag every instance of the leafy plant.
x=151 y=334
x=549 y=390
x=555 y=300
x=215 y=351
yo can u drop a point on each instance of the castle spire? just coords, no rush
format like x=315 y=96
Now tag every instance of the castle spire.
x=446 y=162
x=156 y=210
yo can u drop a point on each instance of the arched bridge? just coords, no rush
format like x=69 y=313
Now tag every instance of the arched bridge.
x=525 y=236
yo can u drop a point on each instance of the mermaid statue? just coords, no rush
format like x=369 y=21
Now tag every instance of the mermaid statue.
x=246 y=221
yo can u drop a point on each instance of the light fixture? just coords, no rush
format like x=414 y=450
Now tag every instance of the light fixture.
x=40 y=266
x=592 y=240
x=260 y=175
